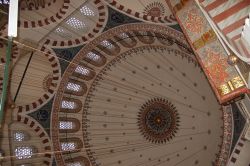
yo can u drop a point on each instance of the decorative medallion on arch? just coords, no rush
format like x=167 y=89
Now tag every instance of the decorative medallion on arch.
x=34 y=4
x=46 y=84
x=155 y=9
x=146 y=10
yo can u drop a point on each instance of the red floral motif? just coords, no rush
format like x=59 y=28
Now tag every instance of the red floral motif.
x=216 y=67
x=194 y=22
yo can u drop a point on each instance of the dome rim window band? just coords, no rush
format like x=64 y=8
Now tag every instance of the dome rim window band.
x=179 y=43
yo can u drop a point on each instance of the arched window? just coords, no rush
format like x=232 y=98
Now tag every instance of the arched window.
x=26 y=164
x=71 y=144
x=95 y=58
x=19 y=136
x=68 y=146
x=75 y=87
x=70 y=105
x=84 y=72
x=107 y=44
x=145 y=37
x=24 y=152
x=126 y=39
x=68 y=125
x=86 y=11
x=76 y=23
x=124 y=36
x=164 y=39
x=65 y=125
x=63 y=33
x=78 y=161
x=109 y=47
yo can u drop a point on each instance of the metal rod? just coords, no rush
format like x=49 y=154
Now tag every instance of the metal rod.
x=5 y=79
x=24 y=73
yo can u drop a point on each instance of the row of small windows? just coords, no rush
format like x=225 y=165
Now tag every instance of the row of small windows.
x=26 y=152
x=75 y=23
x=22 y=151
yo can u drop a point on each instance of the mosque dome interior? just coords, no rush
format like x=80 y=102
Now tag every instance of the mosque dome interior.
x=125 y=83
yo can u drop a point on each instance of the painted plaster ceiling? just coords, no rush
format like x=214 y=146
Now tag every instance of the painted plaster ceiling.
x=149 y=105
x=133 y=95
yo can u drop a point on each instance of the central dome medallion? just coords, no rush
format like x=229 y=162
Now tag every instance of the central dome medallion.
x=158 y=120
